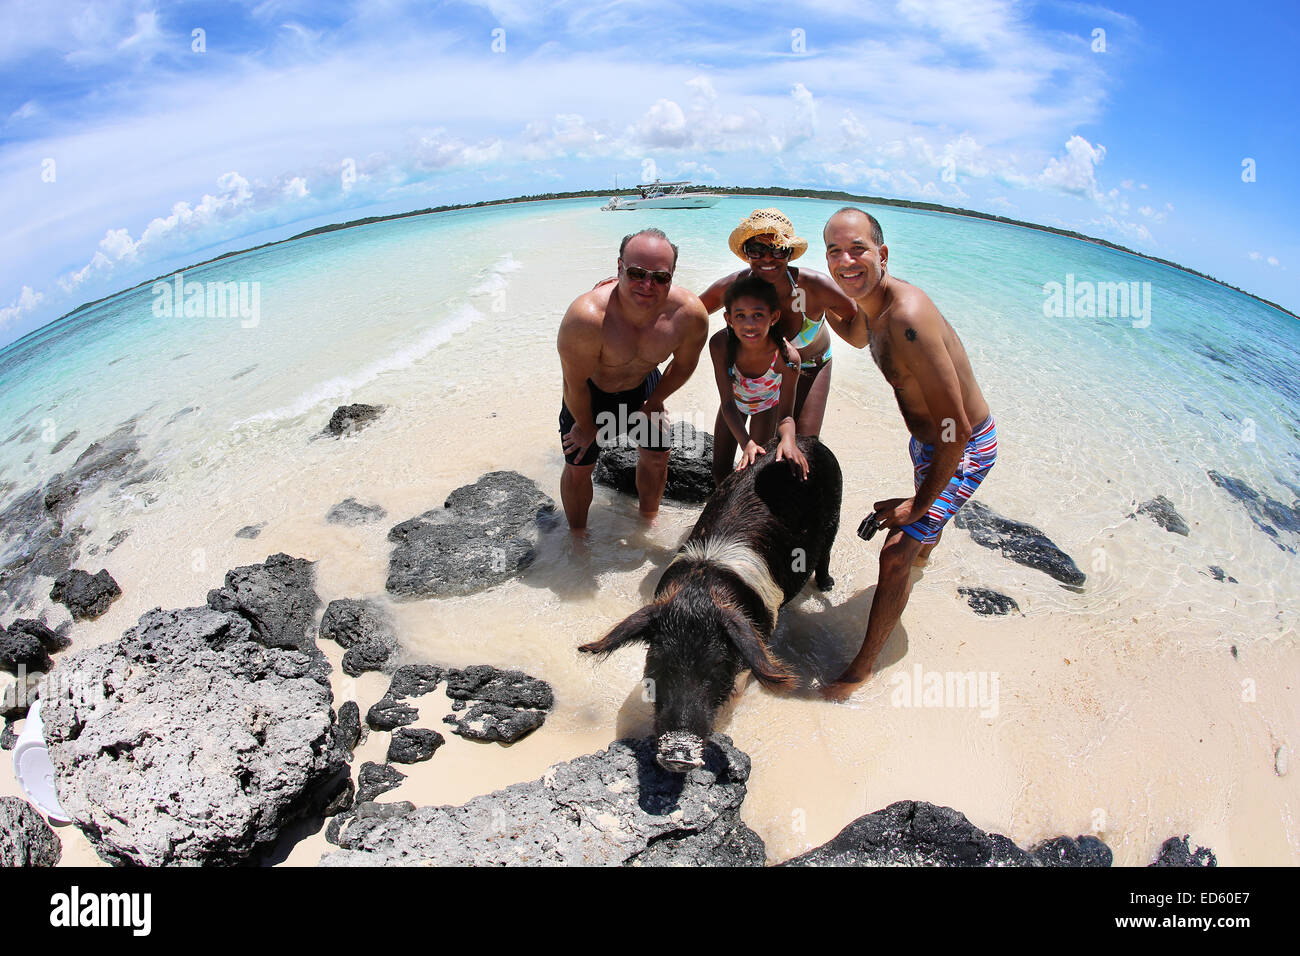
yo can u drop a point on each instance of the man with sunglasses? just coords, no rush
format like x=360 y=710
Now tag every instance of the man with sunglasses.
x=611 y=342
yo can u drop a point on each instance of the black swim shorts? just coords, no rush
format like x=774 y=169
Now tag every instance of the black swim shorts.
x=615 y=415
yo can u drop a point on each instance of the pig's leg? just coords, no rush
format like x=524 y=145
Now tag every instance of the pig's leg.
x=824 y=580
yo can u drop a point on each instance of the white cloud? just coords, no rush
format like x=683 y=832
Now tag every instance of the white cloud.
x=664 y=124
x=1076 y=172
x=27 y=301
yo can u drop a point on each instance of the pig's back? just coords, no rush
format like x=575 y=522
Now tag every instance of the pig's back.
x=769 y=508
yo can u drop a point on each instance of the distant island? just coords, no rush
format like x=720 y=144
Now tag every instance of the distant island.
x=730 y=190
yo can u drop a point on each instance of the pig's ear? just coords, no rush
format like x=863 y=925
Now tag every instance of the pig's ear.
x=771 y=671
x=637 y=627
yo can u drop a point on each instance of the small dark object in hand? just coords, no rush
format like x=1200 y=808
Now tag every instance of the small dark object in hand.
x=868 y=528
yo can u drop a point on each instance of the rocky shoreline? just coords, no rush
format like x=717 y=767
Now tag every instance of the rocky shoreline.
x=203 y=733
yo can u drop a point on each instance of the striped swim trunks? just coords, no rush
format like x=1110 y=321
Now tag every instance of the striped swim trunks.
x=981 y=453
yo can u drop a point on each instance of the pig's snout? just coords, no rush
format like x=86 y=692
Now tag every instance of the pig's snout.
x=680 y=751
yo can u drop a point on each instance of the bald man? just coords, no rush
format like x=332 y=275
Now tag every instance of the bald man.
x=611 y=342
x=954 y=439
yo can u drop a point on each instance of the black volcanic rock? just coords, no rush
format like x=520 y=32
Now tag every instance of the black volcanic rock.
x=1162 y=511
x=85 y=595
x=387 y=713
x=376 y=778
x=914 y=833
x=349 y=511
x=413 y=744
x=1177 y=851
x=352 y=418
x=485 y=533
x=1019 y=542
x=278 y=597
x=988 y=602
x=1267 y=513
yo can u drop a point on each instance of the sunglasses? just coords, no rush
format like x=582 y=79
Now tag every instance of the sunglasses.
x=757 y=250
x=637 y=274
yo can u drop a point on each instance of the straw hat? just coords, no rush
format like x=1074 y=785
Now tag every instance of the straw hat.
x=767 y=222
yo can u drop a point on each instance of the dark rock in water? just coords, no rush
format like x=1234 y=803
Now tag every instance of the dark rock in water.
x=690 y=465
x=8 y=739
x=412 y=745
x=278 y=598
x=988 y=602
x=349 y=511
x=414 y=680
x=25 y=838
x=117 y=538
x=485 y=533
x=190 y=742
x=371 y=656
x=504 y=705
x=20 y=649
x=1177 y=851
x=495 y=723
x=347 y=727
x=87 y=596
x=1063 y=851
x=388 y=713
x=351 y=418
x=1162 y=511
x=250 y=530
x=912 y=833
x=350 y=622
x=34 y=545
x=1269 y=514
x=110 y=459
x=512 y=688
x=613 y=807
x=377 y=778
x=1019 y=542
x=1219 y=574
x=63 y=442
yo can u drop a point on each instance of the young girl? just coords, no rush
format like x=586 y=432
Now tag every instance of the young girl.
x=757 y=372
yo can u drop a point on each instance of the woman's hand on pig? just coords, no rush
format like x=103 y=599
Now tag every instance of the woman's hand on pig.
x=749 y=454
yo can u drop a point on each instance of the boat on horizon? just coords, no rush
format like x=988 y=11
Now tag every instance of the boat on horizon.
x=661 y=195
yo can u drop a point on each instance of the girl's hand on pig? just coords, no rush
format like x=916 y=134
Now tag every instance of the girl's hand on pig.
x=789 y=451
x=749 y=454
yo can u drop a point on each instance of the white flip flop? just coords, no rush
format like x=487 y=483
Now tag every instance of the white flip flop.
x=33 y=769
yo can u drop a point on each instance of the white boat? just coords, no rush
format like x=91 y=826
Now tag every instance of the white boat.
x=661 y=195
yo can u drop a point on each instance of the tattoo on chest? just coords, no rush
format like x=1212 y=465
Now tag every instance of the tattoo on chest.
x=911 y=334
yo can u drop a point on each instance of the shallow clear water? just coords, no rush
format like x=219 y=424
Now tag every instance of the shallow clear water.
x=1122 y=697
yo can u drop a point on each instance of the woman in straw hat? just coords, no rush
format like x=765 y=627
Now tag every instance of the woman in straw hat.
x=766 y=241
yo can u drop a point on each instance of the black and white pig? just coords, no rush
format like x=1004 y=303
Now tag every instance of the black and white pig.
x=761 y=536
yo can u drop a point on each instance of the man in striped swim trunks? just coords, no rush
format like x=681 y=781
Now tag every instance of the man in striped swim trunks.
x=954 y=439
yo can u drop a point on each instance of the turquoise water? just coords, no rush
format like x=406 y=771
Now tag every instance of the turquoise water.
x=1091 y=409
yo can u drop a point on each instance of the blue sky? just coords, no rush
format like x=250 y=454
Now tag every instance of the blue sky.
x=125 y=152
